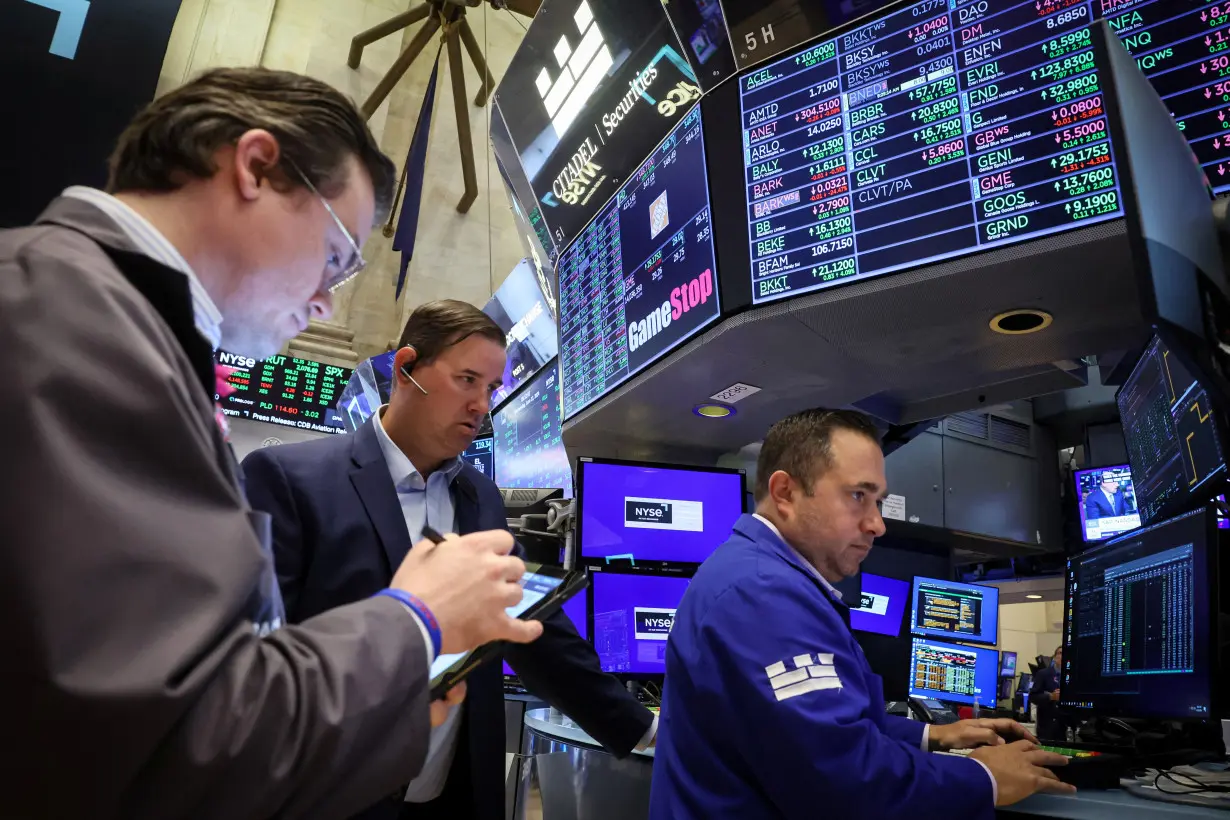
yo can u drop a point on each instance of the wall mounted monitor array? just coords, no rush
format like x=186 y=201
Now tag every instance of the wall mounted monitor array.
x=285 y=390
x=1106 y=499
x=523 y=312
x=641 y=278
x=957 y=674
x=1007 y=664
x=1139 y=625
x=577 y=610
x=654 y=512
x=594 y=85
x=481 y=456
x=924 y=135
x=950 y=609
x=882 y=605
x=528 y=447
x=1172 y=432
x=632 y=617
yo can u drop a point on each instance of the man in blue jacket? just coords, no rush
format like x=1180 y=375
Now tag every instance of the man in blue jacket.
x=770 y=708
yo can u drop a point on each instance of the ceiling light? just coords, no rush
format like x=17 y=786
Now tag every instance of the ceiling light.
x=711 y=410
x=1021 y=322
x=1034 y=597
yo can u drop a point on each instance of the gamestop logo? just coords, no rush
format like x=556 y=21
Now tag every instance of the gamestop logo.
x=683 y=298
x=653 y=624
x=664 y=514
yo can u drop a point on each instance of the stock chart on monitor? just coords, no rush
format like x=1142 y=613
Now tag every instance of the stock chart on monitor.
x=527 y=442
x=640 y=278
x=951 y=609
x=1170 y=430
x=284 y=390
x=960 y=674
x=1136 y=632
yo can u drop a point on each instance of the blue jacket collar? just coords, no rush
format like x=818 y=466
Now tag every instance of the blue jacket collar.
x=763 y=536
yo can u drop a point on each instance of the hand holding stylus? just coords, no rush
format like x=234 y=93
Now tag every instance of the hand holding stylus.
x=467 y=582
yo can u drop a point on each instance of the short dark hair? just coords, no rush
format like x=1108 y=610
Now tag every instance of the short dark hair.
x=801 y=445
x=436 y=326
x=175 y=138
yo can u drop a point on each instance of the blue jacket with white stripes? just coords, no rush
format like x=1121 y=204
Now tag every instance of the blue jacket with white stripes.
x=771 y=710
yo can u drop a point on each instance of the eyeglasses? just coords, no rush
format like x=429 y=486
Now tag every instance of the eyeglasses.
x=357 y=263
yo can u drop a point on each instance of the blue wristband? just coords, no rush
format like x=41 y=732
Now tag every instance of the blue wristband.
x=418 y=608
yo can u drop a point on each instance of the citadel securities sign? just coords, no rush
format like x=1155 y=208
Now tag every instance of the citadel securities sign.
x=594 y=86
x=72 y=74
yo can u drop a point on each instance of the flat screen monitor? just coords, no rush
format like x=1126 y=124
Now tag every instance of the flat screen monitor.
x=284 y=390
x=641 y=278
x=1139 y=638
x=967 y=675
x=1107 y=501
x=951 y=609
x=1173 y=441
x=654 y=512
x=479 y=455
x=924 y=135
x=1007 y=664
x=528 y=444
x=591 y=89
x=882 y=605
x=523 y=312
x=577 y=610
x=633 y=616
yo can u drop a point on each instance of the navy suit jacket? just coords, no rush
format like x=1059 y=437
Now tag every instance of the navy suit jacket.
x=338 y=536
x=1097 y=505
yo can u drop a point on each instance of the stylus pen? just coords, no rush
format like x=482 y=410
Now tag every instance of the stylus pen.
x=431 y=535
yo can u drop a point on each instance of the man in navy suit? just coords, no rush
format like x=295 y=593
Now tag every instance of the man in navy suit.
x=346 y=509
x=1106 y=501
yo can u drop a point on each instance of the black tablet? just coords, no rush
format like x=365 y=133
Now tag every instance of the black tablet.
x=546 y=588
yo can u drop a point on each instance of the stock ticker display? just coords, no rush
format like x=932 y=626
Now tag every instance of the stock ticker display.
x=640 y=278
x=1170 y=430
x=924 y=135
x=285 y=390
x=958 y=674
x=527 y=441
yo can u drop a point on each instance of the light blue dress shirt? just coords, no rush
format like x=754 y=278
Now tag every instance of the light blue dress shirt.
x=425 y=503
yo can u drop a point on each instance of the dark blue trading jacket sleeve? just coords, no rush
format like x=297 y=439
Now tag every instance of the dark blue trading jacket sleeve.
x=909 y=732
x=813 y=743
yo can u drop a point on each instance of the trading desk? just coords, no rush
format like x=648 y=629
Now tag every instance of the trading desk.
x=578 y=779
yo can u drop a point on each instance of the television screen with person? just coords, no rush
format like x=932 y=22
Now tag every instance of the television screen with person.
x=1106 y=499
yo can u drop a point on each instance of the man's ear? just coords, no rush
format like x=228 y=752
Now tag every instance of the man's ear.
x=404 y=360
x=781 y=490
x=255 y=153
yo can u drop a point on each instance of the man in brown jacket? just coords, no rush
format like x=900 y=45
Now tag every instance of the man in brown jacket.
x=147 y=670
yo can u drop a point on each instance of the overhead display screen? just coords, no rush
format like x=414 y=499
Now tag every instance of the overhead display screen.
x=1183 y=47
x=924 y=135
x=284 y=390
x=522 y=310
x=528 y=444
x=594 y=85
x=640 y=279
x=1107 y=501
x=1170 y=428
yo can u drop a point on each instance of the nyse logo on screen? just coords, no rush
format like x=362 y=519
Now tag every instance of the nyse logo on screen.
x=581 y=69
x=69 y=24
x=653 y=624
x=873 y=603
x=663 y=514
